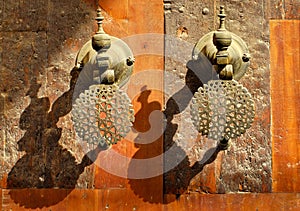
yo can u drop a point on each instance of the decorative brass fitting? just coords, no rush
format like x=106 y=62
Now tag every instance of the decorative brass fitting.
x=102 y=112
x=226 y=51
x=106 y=53
x=223 y=109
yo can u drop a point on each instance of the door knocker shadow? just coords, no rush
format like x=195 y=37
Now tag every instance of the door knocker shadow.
x=175 y=181
x=46 y=163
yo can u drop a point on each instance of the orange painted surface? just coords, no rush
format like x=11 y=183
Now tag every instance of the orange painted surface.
x=123 y=199
x=128 y=20
x=118 y=9
x=285 y=103
x=236 y=202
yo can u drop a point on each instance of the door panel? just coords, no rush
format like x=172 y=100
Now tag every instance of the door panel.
x=285 y=98
x=129 y=160
x=123 y=183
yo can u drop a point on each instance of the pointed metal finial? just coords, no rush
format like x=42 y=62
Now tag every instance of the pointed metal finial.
x=222 y=17
x=100 y=40
x=99 y=20
x=222 y=40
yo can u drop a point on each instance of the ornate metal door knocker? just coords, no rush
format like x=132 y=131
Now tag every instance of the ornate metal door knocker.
x=102 y=112
x=223 y=109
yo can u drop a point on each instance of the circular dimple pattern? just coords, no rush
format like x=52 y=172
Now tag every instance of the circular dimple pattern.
x=222 y=109
x=102 y=115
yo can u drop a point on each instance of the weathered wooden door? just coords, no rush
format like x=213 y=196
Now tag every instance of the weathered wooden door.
x=156 y=166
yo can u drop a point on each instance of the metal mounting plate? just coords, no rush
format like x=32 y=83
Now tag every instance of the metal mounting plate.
x=236 y=51
x=118 y=53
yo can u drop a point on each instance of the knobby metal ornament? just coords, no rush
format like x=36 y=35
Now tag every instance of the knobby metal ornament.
x=223 y=109
x=103 y=115
x=102 y=112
